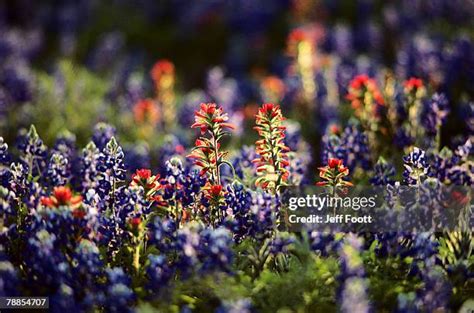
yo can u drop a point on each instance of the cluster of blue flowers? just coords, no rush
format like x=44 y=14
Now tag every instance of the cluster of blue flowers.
x=116 y=215
x=75 y=247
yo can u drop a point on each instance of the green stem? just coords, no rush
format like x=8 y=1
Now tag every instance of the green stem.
x=136 y=258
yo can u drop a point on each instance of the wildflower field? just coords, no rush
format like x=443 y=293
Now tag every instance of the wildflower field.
x=146 y=146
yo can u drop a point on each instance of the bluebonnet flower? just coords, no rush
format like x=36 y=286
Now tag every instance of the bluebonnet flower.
x=110 y=234
x=436 y=291
x=357 y=147
x=332 y=148
x=351 y=147
x=325 y=243
x=17 y=80
x=435 y=111
x=266 y=209
x=63 y=299
x=299 y=157
x=441 y=163
x=187 y=246
x=215 y=251
x=162 y=234
x=241 y=220
x=18 y=182
x=383 y=173
x=416 y=166
x=33 y=152
x=4 y=155
x=89 y=161
x=159 y=273
x=119 y=296
x=112 y=170
x=137 y=157
x=46 y=265
x=23 y=186
x=7 y=207
x=87 y=267
x=181 y=188
x=281 y=244
x=130 y=202
x=222 y=90
x=4 y=163
x=244 y=167
x=452 y=167
x=172 y=146
x=57 y=172
x=65 y=144
x=103 y=133
x=462 y=172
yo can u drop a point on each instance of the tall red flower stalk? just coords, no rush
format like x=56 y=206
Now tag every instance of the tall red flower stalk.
x=212 y=122
x=272 y=162
x=414 y=90
x=365 y=97
x=163 y=75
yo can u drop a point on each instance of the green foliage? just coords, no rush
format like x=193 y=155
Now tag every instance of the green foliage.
x=306 y=287
x=72 y=99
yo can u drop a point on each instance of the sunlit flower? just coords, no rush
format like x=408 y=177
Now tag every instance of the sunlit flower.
x=272 y=163
x=62 y=196
x=146 y=111
x=363 y=91
x=150 y=183
x=333 y=174
x=212 y=122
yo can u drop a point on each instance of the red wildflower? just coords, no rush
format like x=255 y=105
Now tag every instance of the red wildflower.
x=135 y=222
x=297 y=35
x=212 y=122
x=62 y=196
x=334 y=129
x=150 y=183
x=365 y=97
x=273 y=159
x=161 y=67
x=216 y=190
x=146 y=111
x=333 y=174
x=333 y=163
x=211 y=117
x=413 y=84
x=79 y=213
x=273 y=88
x=141 y=175
x=459 y=197
x=214 y=193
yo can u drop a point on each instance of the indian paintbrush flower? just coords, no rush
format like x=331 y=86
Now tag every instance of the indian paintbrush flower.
x=163 y=75
x=333 y=175
x=365 y=98
x=62 y=196
x=146 y=111
x=150 y=183
x=212 y=122
x=272 y=163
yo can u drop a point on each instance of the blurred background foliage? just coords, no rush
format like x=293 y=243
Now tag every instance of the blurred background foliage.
x=102 y=44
